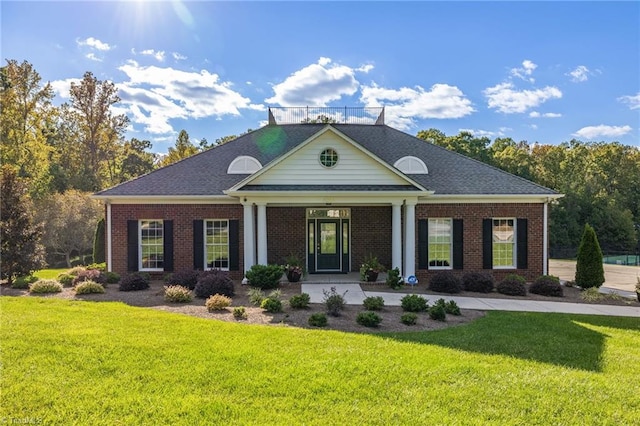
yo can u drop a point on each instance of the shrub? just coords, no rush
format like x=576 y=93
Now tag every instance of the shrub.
x=240 y=313
x=214 y=282
x=445 y=282
x=300 y=301
x=177 y=294
x=45 y=286
x=512 y=285
x=271 y=304
x=546 y=285
x=217 y=302
x=65 y=279
x=394 y=280
x=134 y=282
x=437 y=312
x=479 y=282
x=318 y=320
x=451 y=307
x=90 y=275
x=76 y=270
x=264 y=276
x=409 y=318
x=589 y=268
x=185 y=277
x=102 y=267
x=89 y=287
x=112 y=277
x=334 y=301
x=24 y=282
x=368 y=319
x=256 y=296
x=414 y=303
x=373 y=303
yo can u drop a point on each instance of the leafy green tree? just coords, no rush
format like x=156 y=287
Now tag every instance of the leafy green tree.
x=589 y=269
x=21 y=252
x=98 y=242
x=135 y=160
x=183 y=149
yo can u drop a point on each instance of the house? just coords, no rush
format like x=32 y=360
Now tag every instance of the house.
x=331 y=193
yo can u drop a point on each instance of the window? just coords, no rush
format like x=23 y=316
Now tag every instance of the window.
x=151 y=245
x=329 y=157
x=410 y=165
x=504 y=243
x=217 y=244
x=440 y=243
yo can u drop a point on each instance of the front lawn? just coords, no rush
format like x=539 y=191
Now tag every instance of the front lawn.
x=75 y=362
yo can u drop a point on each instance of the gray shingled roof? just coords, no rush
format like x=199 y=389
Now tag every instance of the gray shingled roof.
x=206 y=173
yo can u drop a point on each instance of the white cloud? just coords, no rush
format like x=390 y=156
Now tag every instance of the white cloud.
x=159 y=54
x=536 y=114
x=94 y=43
x=533 y=126
x=580 y=74
x=93 y=57
x=62 y=88
x=406 y=104
x=525 y=72
x=591 y=132
x=178 y=57
x=317 y=84
x=483 y=133
x=633 y=100
x=506 y=99
x=153 y=96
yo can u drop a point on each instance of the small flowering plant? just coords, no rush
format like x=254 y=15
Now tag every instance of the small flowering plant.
x=293 y=268
x=371 y=265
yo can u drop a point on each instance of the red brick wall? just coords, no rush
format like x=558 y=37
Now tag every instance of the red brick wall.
x=287 y=233
x=370 y=235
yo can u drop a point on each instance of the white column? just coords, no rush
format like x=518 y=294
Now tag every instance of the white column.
x=396 y=236
x=262 y=233
x=545 y=239
x=109 y=256
x=249 y=237
x=410 y=239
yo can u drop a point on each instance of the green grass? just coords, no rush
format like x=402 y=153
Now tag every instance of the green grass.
x=74 y=362
x=49 y=274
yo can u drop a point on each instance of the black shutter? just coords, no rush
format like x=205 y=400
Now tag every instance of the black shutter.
x=132 y=245
x=423 y=244
x=168 y=245
x=198 y=244
x=522 y=244
x=487 y=243
x=234 y=245
x=457 y=244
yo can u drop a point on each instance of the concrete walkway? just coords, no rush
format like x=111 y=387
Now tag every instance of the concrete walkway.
x=354 y=295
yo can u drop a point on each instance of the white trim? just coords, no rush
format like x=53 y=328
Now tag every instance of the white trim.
x=514 y=253
x=109 y=239
x=262 y=233
x=249 y=236
x=410 y=239
x=545 y=239
x=204 y=242
x=396 y=236
x=335 y=151
x=167 y=199
x=441 y=268
x=406 y=160
x=235 y=168
x=486 y=198
x=140 y=268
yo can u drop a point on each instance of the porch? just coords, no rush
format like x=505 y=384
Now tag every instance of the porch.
x=328 y=279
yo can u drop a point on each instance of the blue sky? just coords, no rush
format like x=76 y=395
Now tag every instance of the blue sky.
x=543 y=72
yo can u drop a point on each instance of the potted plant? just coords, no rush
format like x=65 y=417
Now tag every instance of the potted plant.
x=293 y=268
x=370 y=269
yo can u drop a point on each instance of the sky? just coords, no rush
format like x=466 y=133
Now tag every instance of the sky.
x=544 y=72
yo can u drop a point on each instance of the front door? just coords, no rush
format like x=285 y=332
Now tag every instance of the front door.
x=328 y=240
x=328 y=251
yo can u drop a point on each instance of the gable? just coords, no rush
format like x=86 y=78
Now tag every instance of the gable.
x=353 y=166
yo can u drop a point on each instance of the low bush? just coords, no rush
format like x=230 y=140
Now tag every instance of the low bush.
x=264 y=276
x=217 y=302
x=478 y=282
x=437 y=312
x=546 y=285
x=185 y=278
x=76 y=270
x=89 y=287
x=445 y=282
x=45 y=286
x=368 y=319
x=24 y=282
x=394 y=280
x=256 y=296
x=373 y=303
x=414 y=303
x=112 y=277
x=409 y=318
x=240 y=313
x=512 y=285
x=592 y=294
x=90 y=275
x=450 y=307
x=214 y=282
x=300 y=301
x=334 y=301
x=272 y=305
x=134 y=282
x=177 y=294
x=65 y=279
x=318 y=320
x=102 y=267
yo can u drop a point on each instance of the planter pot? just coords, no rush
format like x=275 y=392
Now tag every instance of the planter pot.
x=371 y=276
x=294 y=276
x=638 y=296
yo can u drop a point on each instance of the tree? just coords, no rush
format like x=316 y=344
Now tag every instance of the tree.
x=98 y=243
x=135 y=160
x=183 y=149
x=21 y=252
x=589 y=269
x=70 y=219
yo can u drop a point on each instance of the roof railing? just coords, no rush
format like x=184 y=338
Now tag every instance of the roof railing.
x=326 y=115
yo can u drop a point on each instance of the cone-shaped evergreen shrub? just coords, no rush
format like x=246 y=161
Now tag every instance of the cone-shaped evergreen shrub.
x=589 y=269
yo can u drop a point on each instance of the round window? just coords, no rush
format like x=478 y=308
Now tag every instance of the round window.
x=328 y=157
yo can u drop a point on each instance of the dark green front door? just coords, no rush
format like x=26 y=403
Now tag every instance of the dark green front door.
x=328 y=245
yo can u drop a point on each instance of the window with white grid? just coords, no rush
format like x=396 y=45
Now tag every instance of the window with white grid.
x=440 y=243
x=151 y=245
x=216 y=241
x=504 y=243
